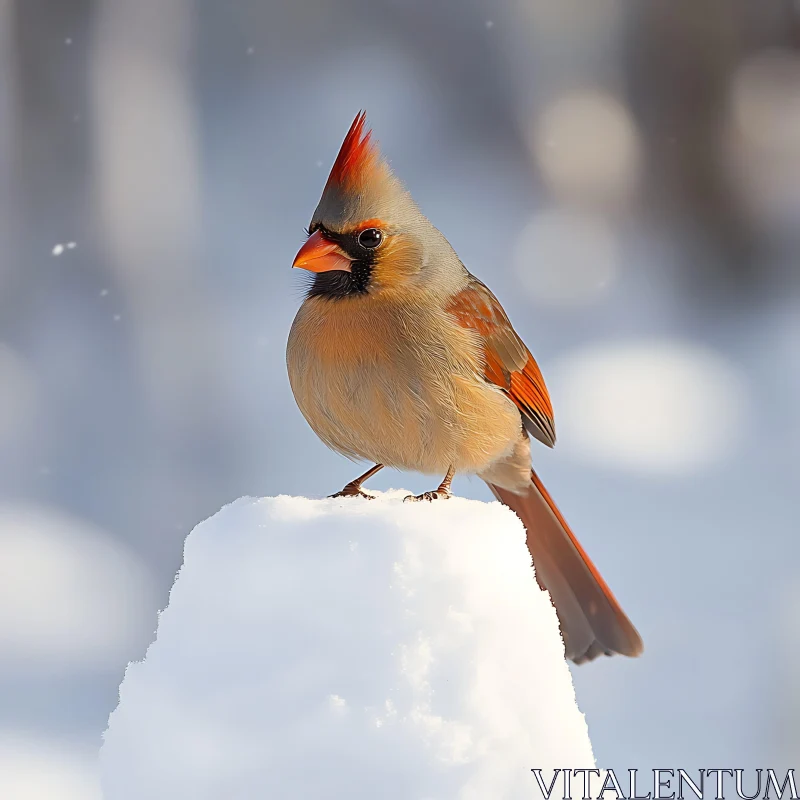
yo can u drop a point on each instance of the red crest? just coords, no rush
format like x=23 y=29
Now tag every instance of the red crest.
x=358 y=156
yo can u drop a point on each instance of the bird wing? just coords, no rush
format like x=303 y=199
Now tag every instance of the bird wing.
x=508 y=364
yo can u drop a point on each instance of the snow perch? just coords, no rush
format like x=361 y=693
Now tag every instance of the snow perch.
x=346 y=648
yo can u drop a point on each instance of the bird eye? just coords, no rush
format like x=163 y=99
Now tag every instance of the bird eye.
x=370 y=238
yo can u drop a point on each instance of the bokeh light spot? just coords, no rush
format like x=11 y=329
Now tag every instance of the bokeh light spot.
x=70 y=596
x=586 y=144
x=565 y=257
x=33 y=769
x=662 y=406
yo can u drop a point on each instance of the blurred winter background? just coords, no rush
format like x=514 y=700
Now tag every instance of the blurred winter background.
x=624 y=175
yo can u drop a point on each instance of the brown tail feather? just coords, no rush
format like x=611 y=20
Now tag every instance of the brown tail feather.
x=592 y=622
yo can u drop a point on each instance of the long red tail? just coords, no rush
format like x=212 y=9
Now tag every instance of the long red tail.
x=592 y=622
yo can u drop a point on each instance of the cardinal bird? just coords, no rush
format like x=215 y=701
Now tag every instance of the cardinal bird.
x=400 y=357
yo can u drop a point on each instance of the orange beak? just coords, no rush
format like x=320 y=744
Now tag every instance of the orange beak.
x=320 y=255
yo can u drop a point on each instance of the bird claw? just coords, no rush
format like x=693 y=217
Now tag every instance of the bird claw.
x=351 y=492
x=437 y=494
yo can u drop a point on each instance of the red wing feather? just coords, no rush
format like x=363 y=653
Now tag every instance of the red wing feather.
x=508 y=364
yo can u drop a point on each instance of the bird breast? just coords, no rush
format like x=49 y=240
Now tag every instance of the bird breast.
x=398 y=385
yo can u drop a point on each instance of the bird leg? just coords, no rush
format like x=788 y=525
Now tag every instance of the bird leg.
x=353 y=489
x=442 y=493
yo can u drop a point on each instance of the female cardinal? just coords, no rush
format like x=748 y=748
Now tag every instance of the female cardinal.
x=401 y=357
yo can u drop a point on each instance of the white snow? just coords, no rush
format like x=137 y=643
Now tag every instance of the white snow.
x=58 y=249
x=349 y=649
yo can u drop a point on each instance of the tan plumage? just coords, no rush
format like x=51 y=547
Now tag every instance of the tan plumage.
x=414 y=401
x=400 y=357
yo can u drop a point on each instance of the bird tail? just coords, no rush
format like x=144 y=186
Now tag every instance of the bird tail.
x=592 y=622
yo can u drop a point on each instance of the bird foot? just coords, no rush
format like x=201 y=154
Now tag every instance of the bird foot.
x=437 y=494
x=351 y=491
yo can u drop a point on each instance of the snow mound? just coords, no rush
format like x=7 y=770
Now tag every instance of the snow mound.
x=347 y=648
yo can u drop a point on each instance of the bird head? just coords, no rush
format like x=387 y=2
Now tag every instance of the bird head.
x=367 y=234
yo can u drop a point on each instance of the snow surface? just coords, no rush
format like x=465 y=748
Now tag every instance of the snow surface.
x=349 y=649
